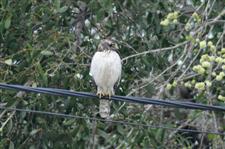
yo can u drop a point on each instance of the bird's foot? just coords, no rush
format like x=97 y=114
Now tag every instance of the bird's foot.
x=109 y=95
x=102 y=94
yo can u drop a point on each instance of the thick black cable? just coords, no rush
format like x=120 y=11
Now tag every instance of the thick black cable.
x=110 y=120
x=142 y=100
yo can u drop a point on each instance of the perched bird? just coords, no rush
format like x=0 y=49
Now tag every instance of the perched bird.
x=106 y=70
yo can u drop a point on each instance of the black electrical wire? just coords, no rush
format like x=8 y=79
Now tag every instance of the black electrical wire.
x=110 y=120
x=141 y=100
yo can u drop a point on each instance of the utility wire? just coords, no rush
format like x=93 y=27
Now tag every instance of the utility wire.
x=111 y=121
x=141 y=100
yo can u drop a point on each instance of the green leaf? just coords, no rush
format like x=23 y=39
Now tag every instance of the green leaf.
x=212 y=136
x=32 y=147
x=102 y=133
x=106 y=4
x=4 y=3
x=46 y=53
x=1 y=26
x=57 y=4
x=8 y=62
x=33 y=132
x=11 y=145
x=42 y=74
x=8 y=22
x=120 y=129
x=69 y=122
x=62 y=9
x=100 y=14
x=10 y=125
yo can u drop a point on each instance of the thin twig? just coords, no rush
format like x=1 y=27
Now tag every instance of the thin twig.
x=155 y=50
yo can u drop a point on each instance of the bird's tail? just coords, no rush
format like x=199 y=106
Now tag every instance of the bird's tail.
x=104 y=108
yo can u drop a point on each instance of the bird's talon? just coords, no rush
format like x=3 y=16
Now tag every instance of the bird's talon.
x=100 y=95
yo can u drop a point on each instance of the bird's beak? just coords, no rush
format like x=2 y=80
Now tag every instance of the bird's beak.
x=116 y=46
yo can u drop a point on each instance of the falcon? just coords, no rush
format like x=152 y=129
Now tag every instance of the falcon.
x=106 y=70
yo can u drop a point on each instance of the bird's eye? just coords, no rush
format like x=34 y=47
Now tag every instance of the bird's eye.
x=110 y=45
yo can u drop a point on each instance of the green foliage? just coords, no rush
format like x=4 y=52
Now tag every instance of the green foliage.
x=50 y=44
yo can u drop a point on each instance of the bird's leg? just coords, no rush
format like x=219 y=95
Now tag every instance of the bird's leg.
x=110 y=92
x=100 y=92
x=105 y=92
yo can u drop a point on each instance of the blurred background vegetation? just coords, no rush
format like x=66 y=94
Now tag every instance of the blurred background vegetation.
x=170 y=49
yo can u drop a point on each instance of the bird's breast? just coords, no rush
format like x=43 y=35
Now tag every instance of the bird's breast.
x=106 y=68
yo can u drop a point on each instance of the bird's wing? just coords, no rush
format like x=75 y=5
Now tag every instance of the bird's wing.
x=116 y=66
x=95 y=65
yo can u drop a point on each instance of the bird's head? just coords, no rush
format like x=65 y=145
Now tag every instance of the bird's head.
x=107 y=44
